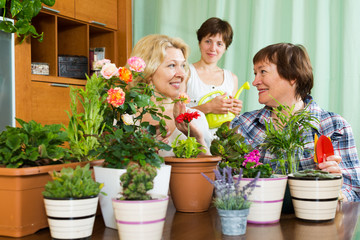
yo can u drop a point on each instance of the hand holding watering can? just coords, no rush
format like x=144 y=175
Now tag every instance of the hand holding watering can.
x=215 y=120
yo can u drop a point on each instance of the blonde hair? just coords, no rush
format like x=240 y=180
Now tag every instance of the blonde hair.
x=152 y=49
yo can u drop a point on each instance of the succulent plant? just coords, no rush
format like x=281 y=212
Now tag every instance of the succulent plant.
x=314 y=173
x=137 y=181
x=72 y=183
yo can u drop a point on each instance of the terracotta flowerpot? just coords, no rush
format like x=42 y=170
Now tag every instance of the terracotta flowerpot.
x=266 y=199
x=315 y=199
x=22 y=210
x=141 y=220
x=189 y=190
x=71 y=218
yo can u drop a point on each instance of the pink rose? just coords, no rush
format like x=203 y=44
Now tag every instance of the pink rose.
x=99 y=64
x=109 y=70
x=136 y=64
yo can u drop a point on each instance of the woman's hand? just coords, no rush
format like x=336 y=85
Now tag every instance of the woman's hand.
x=219 y=105
x=237 y=106
x=331 y=164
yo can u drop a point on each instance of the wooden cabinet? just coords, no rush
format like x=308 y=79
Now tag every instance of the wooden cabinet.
x=50 y=101
x=62 y=7
x=103 y=13
x=45 y=98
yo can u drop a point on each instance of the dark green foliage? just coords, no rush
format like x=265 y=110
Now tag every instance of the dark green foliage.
x=120 y=147
x=32 y=145
x=230 y=146
x=137 y=181
x=70 y=183
x=22 y=11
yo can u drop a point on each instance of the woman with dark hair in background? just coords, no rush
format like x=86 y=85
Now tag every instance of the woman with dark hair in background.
x=214 y=36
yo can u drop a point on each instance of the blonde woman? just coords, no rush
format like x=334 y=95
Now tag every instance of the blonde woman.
x=166 y=68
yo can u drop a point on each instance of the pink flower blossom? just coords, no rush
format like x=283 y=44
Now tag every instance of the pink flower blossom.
x=136 y=64
x=99 y=64
x=184 y=98
x=252 y=157
x=116 y=96
x=109 y=70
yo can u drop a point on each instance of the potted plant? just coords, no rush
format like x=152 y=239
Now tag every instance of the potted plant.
x=139 y=215
x=27 y=154
x=22 y=12
x=71 y=200
x=315 y=194
x=231 y=201
x=86 y=119
x=267 y=198
x=284 y=138
x=127 y=137
x=189 y=190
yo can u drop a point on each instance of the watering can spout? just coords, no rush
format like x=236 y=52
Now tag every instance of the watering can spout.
x=246 y=86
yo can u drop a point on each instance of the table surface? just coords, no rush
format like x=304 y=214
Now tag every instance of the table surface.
x=206 y=225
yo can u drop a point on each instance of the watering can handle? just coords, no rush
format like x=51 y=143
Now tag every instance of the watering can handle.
x=208 y=95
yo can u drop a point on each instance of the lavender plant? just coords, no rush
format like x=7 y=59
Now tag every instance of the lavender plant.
x=229 y=196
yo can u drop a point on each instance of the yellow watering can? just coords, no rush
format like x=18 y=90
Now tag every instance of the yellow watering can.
x=215 y=120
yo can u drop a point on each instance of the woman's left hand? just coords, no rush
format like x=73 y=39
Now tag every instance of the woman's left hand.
x=331 y=164
x=237 y=106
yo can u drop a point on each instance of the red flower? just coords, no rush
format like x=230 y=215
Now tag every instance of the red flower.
x=187 y=117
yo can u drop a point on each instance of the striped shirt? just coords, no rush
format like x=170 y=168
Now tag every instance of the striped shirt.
x=252 y=127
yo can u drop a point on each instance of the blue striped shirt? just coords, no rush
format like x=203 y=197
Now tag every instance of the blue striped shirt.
x=252 y=127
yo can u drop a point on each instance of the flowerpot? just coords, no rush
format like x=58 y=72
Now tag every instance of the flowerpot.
x=71 y=218
x=233 y=222
x=138 y=220
x=21 y=202
x=315 y=199
x=266 y=200
x=111 y=179
x=189 y=190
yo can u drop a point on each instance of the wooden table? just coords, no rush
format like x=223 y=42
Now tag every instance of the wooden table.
x=206 y=226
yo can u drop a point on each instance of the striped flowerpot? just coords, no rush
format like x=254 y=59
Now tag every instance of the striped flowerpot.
x=141 y=219
x=71 y=218
x=315 y=199
x=266 y=199
x=111 y=179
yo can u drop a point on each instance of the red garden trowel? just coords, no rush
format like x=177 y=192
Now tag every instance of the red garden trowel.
x=215 y=120
x=323 y=148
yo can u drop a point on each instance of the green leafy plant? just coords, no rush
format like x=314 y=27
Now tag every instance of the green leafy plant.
x=72 y=183
x=137 y=181
x=228 y=195
x=236 y=154
x=32 y=145
x=127 y=136
x=86 y=126
x=22 y=12
x=284 y=135
x=189 y=147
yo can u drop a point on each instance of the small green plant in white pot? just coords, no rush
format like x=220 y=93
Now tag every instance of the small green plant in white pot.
x=71 y=200
x=139 y=215
x=231 y=201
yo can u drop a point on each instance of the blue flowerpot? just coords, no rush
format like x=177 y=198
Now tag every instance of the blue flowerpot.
x=233 y=222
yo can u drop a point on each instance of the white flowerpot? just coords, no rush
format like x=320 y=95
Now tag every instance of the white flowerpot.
x=315 y=199
x=71 y=218
x=266 y=200
x=111 y=179
x=141 y=220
